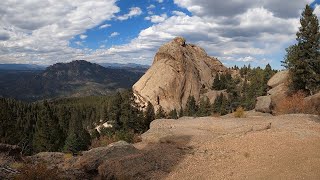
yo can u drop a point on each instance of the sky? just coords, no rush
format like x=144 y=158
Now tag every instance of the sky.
x=237 y=32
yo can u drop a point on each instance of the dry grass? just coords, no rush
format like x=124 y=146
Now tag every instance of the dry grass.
x=240 y=113
x=38 y=171
x=129 y=137
x=295 y=104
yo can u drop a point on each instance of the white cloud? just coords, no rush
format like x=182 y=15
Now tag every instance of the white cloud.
x=160 y=1
x=157 y=18
x=104 y=26
x=239 y=30
x=114 y=34
x=245 y=37
x=40 y=30
x=151 y=6
x=79 y=43
x=178 y=13
x=317 y=10
x=283 y=8
x=134 y=11
x=82 y=36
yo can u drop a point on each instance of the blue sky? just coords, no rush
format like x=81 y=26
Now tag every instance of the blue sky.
x=130 y=31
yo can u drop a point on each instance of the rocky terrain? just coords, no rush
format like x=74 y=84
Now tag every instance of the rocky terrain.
x=179 y=70
x=278 y=91
x=256 y=147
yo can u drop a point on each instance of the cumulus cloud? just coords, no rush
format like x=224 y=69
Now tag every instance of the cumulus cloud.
x=114 y=34
x=151 y=6
x=4 y=35
x=246 y=37
x=134 y=11
x=104 y=26
x=82 y=36
x=40 y=30
x=241 y=30
x=157 y=18
x=284 y=8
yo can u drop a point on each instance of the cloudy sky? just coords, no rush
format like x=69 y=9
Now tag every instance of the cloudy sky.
x=130 y=31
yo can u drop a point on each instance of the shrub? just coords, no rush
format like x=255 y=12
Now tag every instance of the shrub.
x=38 y=171
x=239 y=113
x=128 y=136
x=292 y=104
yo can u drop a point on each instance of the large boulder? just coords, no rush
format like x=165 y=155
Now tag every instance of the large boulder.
x=92 y=159
x=314 y=103
x=278 y=91
x=278 y=78
x=179 y=70
x=263 y=104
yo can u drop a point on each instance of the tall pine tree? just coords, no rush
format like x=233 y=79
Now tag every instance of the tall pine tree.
x=302 y=59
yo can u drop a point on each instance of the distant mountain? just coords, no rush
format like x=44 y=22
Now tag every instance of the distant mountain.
x=77 y=78
x=21 y=67
x=121 y=66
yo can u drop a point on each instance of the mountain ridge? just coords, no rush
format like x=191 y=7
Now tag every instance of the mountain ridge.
x=74 y=79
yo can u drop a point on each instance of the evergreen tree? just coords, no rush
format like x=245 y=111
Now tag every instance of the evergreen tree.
x=78 y=138
x=149 y=116
x=115 y=110
x=302 y=59
x=47 y=135
x=191 y=106
x=204 y=107
x=173 y=114
x=160 y=113
x=181 y=113
x=217 y=103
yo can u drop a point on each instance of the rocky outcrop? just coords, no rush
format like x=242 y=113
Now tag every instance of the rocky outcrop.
x=279 y=78
x=179 y=70
x=278 y=91
x=263 y=104
x=313 y=102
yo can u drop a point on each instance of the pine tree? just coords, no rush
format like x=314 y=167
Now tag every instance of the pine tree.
x=173 y=114
x=149 y=116
x=302 y=59
x=115 y=110
x=204 y=107
x=181 y=113
x=48 y=133
x=78 y=138
x=160 y=113
x=191 y=106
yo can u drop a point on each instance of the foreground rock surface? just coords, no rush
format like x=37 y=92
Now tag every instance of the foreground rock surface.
x=276 y=147
x=179 y=70
x=257 y=147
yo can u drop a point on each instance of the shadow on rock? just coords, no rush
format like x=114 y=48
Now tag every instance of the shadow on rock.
x=152 y=161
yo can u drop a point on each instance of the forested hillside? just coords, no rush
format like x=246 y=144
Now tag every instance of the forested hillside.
x=75 y=79
x=64 y=125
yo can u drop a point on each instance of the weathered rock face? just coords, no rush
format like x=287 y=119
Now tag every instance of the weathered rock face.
x=263 y=104
x=278 y=91
x=179 y=70
x=278 y=78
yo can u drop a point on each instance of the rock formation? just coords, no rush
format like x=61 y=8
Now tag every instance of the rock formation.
x=179 y=70
x=278 y=85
